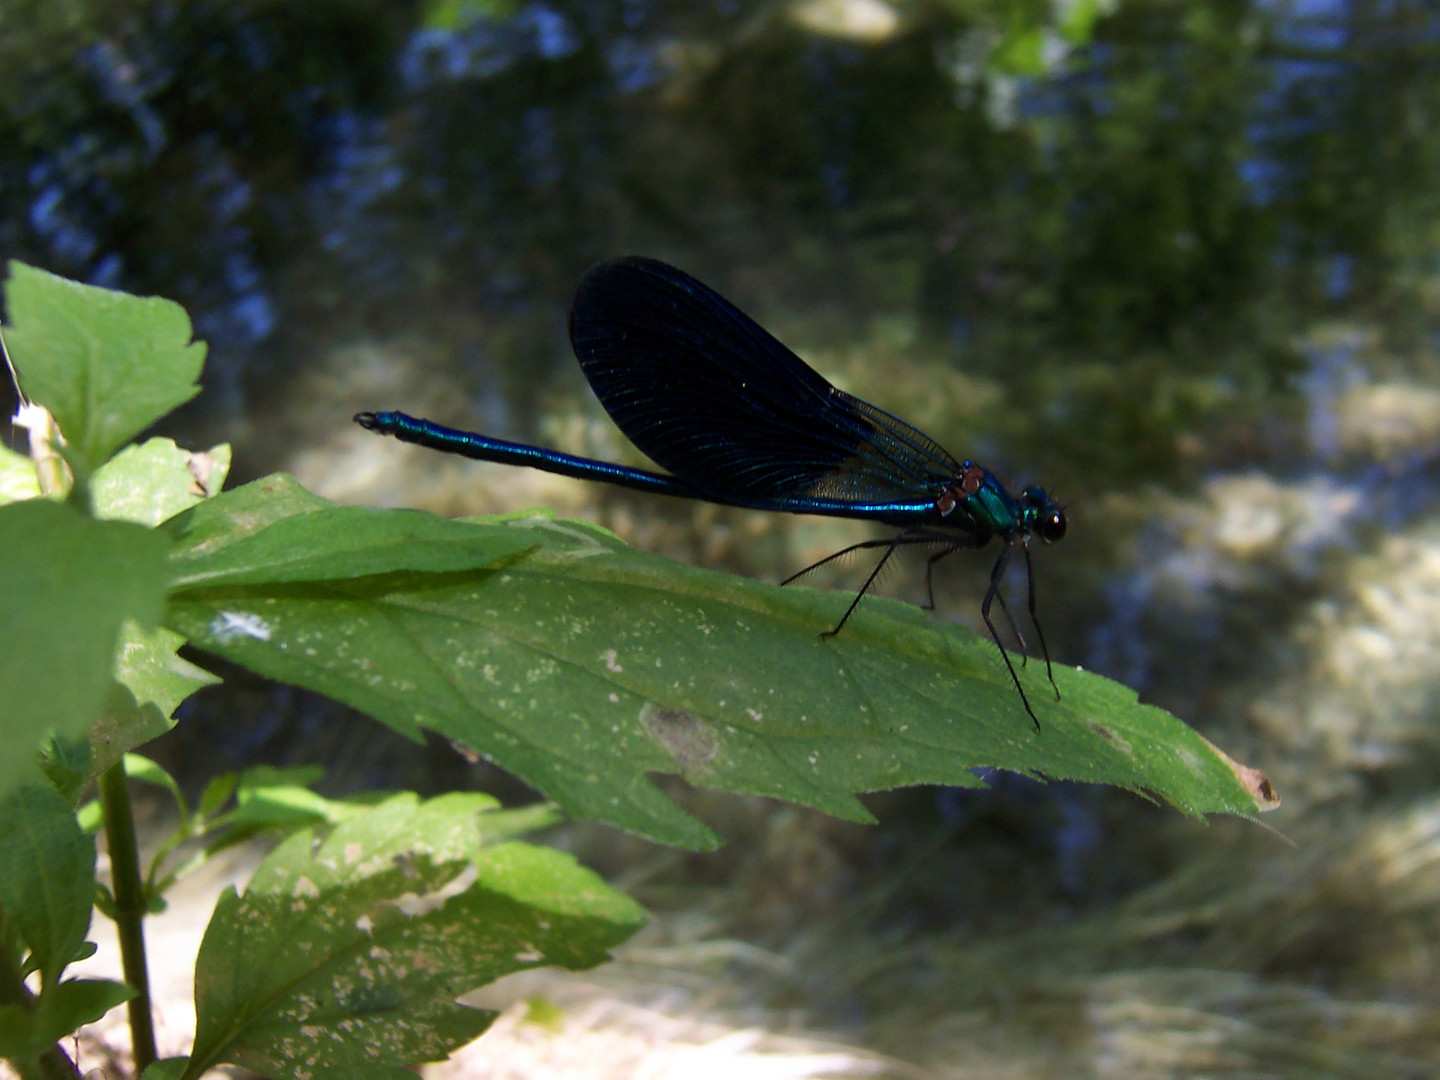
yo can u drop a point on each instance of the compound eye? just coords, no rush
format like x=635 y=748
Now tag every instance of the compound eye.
x=1052 y=526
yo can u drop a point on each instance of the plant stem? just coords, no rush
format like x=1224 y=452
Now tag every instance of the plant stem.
x=129 y=908
x=50 y=469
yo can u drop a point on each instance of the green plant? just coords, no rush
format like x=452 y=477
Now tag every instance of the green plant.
x=548 y=646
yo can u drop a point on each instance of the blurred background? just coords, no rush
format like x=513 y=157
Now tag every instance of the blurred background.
x=1177 y=260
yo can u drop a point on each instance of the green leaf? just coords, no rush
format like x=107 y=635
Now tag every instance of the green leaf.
x=446 y=828
x=166 y=1069
x=285 y=806
x=108 y=365
x=149 y=666
x=65 y=761
x=329 y=543
x=17 y=477
x=260 y=777
x=147 y=663
x=153 y=681
x=17 y=1037
x=156 y=480
x=276 y=799
x=47 y=876
x=70 y=582
x=585 y=666
x=138 y=767
x=72 y=1003
x=282 y=806
x=235 y=516
x=216 y=794
x=350 y=956
x=502 y=825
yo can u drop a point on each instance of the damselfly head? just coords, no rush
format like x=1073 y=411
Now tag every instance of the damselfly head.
x=1045 y=518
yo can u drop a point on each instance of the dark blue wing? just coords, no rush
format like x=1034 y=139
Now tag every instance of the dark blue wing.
x=714 y=399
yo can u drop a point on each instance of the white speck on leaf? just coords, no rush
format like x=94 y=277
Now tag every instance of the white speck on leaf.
x=416 y=904
x=227 y=626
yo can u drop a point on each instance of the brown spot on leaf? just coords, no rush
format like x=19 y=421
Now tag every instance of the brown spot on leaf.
x=1108 y=735
x=1252 y=780
x=1258 y=784
x=685 y=737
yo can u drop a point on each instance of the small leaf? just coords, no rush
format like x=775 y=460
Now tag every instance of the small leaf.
x=505 y=825
x=332 y=543
x=272 y=799
x=459 y=825
x=108 y=365
x=285 y=807
x=216 y=794
x=350 y=956
x=65 y=761
x=153 y=680
x=148 y=664
x=138 y=767
x=74 y=1002
x=17 y=477
x=166 y=1069
x=71 y=582
x=279 y=806
x=47 y=876
x=156 y=480
x=237 y=515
